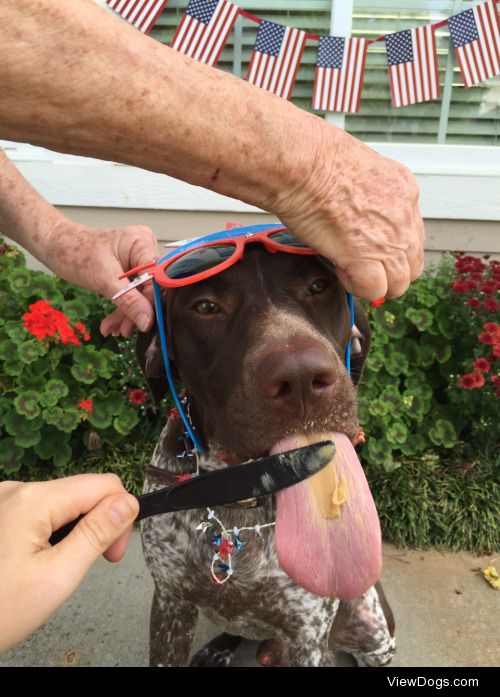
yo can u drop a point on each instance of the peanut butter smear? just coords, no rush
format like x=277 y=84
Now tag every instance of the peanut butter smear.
x=329 y=490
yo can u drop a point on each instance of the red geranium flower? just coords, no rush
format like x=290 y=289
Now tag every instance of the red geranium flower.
x=471 y=381
x=173 y=414
x=137 y=396
x=481 y=365
x=377 y=303
x=43 y=320
x=86 y=405
x=495 y=379
x=495 y=352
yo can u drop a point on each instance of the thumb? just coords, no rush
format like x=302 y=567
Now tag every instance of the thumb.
x=93 y=535
x=367 y=280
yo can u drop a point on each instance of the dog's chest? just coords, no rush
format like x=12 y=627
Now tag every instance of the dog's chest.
x=258 y=600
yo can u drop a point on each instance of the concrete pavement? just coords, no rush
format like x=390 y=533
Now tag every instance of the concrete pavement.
x=446 y=615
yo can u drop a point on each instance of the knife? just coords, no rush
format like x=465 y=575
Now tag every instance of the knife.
x=248 y=480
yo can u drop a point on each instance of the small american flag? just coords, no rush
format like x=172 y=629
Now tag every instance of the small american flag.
x=475 y=34
x=413 y=67
x=204 y=29
x=340 y=70
x=142 y=14
x=276 y=58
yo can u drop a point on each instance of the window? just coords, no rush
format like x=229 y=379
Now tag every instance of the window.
x=461 y=116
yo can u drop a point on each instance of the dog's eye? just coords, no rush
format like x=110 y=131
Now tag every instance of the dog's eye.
x=317 y=287
x=205 y=307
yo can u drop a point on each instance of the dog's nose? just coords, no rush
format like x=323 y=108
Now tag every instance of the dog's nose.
x=295 y=381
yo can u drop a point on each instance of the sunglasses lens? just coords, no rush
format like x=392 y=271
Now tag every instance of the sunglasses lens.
x=199 y=260
x=285 y=238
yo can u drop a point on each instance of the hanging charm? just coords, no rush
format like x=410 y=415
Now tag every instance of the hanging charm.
x=225 y=544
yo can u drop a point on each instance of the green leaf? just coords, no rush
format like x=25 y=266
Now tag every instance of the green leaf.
x=7 y=349
x=393 y=324
x=26 y=403
x=10 y=455
x=102 y=414
x=379 y=407
x=20 y=281
x=51 y=442
x=28 y=438
x=13 y=366
x=375 y=361
x=396 y=363
x=29 y=351
x=84 y=373
x=126 y=421
x=76 y=310
x=443 y=433
x=16 y=332
x=397 y=433
x=421 y=318
x=62 y=456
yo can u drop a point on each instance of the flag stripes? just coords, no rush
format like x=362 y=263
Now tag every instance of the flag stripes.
x=415 y=80
x=338 y=86
x=276 y=70
x=477 y=47
x=142 y=14
x=205 y=41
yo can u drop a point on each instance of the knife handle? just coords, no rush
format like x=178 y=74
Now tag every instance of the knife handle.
x=61 y=533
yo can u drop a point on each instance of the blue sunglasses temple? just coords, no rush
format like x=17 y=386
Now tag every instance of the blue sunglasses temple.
x=168 y=370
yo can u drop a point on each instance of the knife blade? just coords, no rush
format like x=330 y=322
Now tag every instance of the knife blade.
x=250 y=479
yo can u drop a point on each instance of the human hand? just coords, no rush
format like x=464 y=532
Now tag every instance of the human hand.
x=94 y=258
x=36 y=578
x=360 y=210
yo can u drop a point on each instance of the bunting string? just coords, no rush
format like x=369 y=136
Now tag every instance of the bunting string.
x=412 y=62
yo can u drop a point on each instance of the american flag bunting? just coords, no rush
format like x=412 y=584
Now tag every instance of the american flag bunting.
x=413 y=67
x=142 y=14
x=276 y=57
x=339 y=75
x=475 y=35
x=204 y=29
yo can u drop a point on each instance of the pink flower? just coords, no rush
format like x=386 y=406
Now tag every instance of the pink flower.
x=137 y=396
x=481 y=365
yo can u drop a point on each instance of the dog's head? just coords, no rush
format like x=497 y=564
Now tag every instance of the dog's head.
x=260 y=350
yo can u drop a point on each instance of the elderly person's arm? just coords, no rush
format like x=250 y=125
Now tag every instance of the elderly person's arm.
x=92 y=258
x=75 y=78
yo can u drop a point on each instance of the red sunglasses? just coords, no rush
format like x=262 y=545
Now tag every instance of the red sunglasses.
x=207 y=256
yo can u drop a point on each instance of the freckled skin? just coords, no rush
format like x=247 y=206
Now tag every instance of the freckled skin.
x=132 y=100
x=215 y=355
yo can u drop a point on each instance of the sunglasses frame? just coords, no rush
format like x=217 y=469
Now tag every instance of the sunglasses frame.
x=159 y=271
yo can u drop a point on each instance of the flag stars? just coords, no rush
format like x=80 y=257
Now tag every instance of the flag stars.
x=463 y=28
x=202 y=10
x=270 y=38
x=399 y=47
x=330 y=52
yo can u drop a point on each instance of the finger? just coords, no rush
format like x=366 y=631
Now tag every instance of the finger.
x=112 y=323
x=103 y=526
x=127 y=327
x=397 y=270
x=119 y=547
x=367 y=280
x=70 y=497
x=416 y=251
x=138 y=308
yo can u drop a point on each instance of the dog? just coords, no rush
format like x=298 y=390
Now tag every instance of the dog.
x=259 y=350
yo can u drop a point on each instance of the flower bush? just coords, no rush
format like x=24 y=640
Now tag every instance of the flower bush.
x=432 y=375
x=64 y=389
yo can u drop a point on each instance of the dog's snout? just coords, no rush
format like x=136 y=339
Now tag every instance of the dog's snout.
x=295 y=381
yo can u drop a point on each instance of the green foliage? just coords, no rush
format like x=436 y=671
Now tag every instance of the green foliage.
x=411 y=397
x=429 y=502
x=58 y=395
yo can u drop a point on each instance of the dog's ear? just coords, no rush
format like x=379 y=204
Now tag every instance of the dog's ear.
x=148 y=350
x=360 y=342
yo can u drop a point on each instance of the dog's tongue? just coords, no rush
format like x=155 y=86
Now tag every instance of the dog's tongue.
x=327 y=529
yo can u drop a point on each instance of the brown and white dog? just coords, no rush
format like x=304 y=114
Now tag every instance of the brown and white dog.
x=259 y=350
